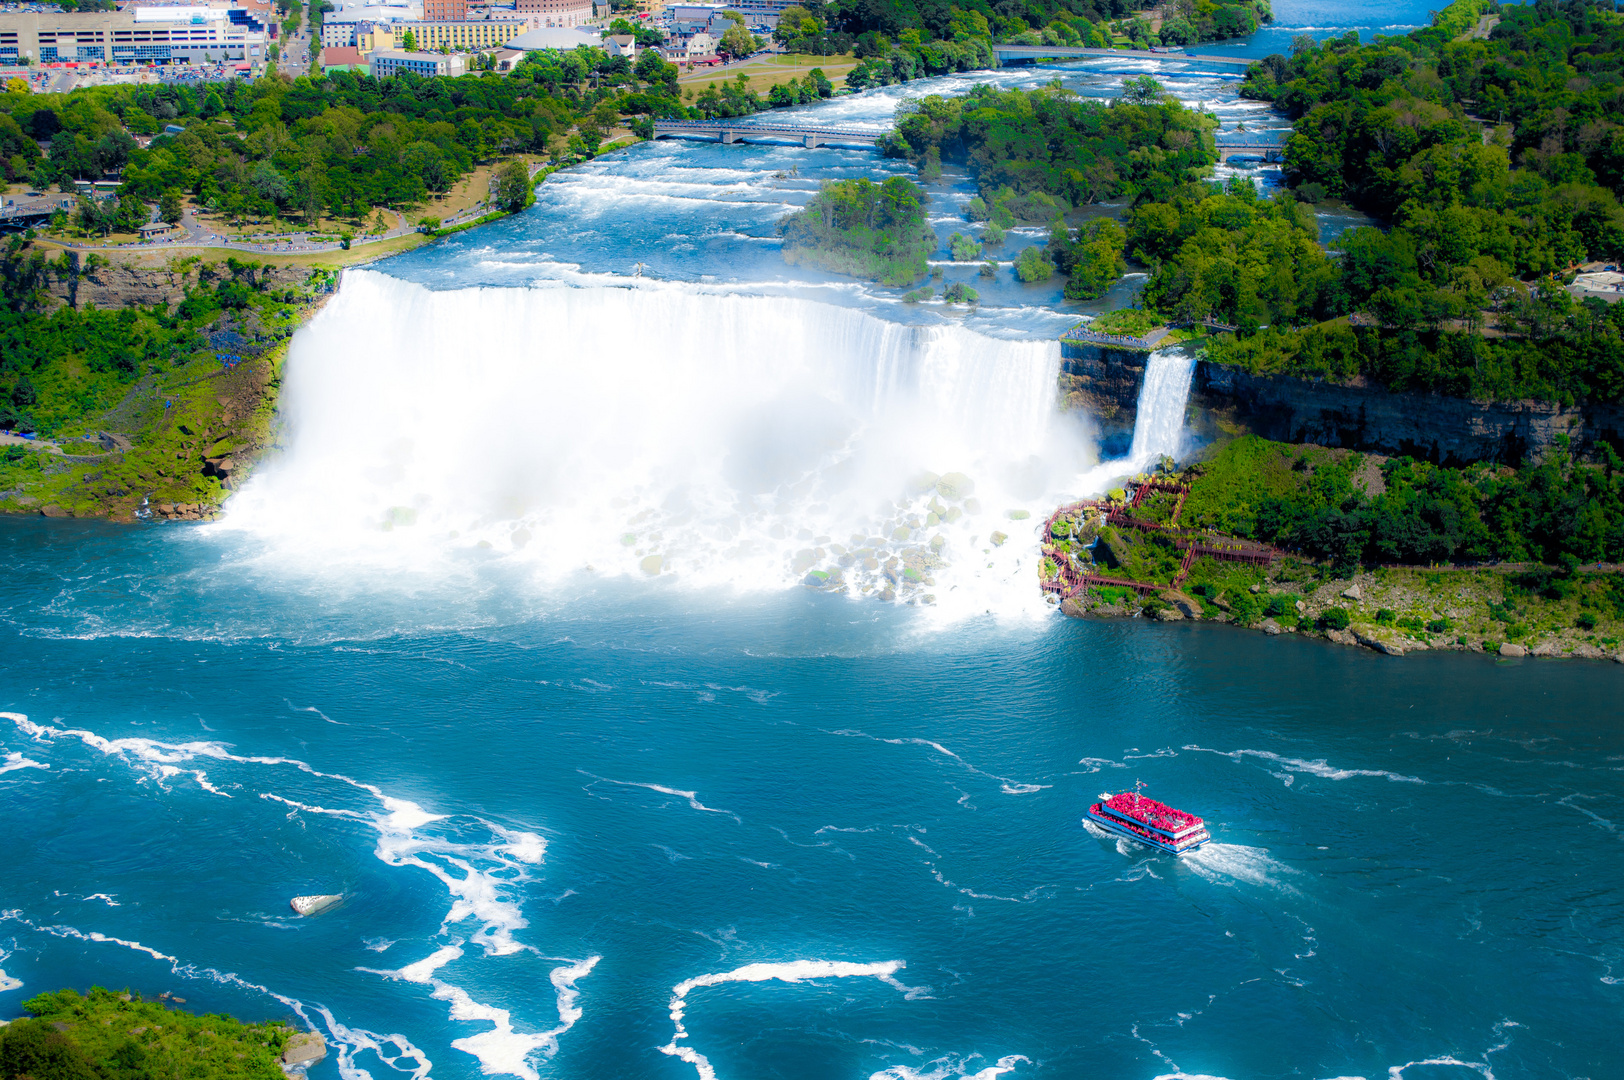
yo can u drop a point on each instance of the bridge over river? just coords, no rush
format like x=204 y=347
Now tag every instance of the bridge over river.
x=731 y=131
x=1006 y=53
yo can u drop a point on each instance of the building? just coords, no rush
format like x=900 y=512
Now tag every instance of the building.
x=387 y=62
x=555 y=12
x=137 y=35
x=554 y=37
x=762 y=13
x=700 y=46
x=463 y=35
x=344 y=58
x=621 y=45
x=507 y=59
x=445 y=10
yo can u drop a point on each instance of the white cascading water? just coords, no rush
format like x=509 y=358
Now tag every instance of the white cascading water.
x=1158 y=426
x=719 y=439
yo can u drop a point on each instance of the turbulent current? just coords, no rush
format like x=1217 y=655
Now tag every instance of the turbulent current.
x=643 y=638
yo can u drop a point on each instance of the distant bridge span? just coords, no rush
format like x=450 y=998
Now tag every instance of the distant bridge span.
x=1065 y=52
x=729 y=133
x=1268 y=145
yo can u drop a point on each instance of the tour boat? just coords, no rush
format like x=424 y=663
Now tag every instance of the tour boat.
x=1151 y=823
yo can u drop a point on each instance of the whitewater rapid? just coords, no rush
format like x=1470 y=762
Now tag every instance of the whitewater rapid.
x=747 y=442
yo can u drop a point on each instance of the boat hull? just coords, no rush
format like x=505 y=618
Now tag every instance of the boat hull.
x=1119 y=829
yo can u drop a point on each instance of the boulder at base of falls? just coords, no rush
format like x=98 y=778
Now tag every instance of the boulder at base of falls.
x=309 y=905
x=304 y=1048
x=652 y=564
x=1170 y=614
x=1186 y=606
x=955 y=486
x=1269 y=626
x=1352 y=592
x=1071 y=607
x=998 y=539
x=1508 y=649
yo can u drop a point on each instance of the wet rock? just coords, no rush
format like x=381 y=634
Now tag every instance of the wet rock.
x=1508 y=649
x=922 y=482
x=972 y=506
x=1173 y=614
x=304 y=1048
x=310 y=905
x=955 y=487
x=932 y=520
x=1588 y=652
x=938 y=542
x=521 y=537
x=1017 y=515
x=1187 y=606
x=1072 y=608
x=900 y=533
x=1341 y=637
x=817 y=579
x=1269 y=626
x=54 y=511
x=401 y=516
x=1381 y=642
x=998 y=539
x=1353 y=592
x=652 y=564
x=1546 y=648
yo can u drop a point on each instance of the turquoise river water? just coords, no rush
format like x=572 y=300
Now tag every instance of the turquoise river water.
x=509 y=647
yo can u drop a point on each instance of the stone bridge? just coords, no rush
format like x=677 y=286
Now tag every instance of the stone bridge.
x=730 y=132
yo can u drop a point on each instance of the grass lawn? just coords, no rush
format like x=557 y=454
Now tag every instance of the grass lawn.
x=767 y=72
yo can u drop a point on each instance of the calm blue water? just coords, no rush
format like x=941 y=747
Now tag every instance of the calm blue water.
x=593 y=822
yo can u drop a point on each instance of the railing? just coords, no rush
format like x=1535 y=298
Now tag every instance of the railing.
x=742 y=130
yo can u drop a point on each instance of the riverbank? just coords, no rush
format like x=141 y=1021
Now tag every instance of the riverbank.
x=1145 y=551
x=105 y=1033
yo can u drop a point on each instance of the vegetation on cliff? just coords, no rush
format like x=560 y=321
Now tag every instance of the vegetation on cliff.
x=1350 y=510
x=864 y=229
x=108 y=1036
x=1367 y=542
x=159 y=400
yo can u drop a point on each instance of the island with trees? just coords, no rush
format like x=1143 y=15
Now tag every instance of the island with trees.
x=869 y=230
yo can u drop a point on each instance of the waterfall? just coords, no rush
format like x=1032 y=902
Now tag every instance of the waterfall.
x=726 y=439
x=1159 y=424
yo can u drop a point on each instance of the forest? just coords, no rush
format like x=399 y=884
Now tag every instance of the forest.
x=339 y=145
x=858 y=227
x=1559 y=512
x=1494 y=165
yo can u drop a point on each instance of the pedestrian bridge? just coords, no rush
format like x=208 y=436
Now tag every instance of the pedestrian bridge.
x=1006 y=53
x=1268 y=145
x=730 y=132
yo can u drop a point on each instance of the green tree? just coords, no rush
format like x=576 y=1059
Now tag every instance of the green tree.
x=408 y=42
x=169 y=207
x=513 y=186
x=1142 y=90
x=738 y=41
x=1032 y=265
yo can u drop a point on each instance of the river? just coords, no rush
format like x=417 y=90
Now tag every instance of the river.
x=510 y=647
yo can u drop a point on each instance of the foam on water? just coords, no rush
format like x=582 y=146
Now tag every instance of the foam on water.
x=793 y=971
x=954 y=1068
x=1313 y=768
x=483 y=879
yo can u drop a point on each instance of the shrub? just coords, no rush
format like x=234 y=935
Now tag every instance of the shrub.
x=1334 y=619
x=960 y=293
x=1385 y=616
x=1439 y=626
x=1586 y=620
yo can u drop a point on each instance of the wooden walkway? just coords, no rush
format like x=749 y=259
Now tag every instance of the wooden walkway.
x=1071 y=580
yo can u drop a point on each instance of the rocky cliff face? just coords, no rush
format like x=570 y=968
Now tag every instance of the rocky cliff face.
x=112 y=285
x=1451 y=431
x=1105 y=383
x=1228 y=400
